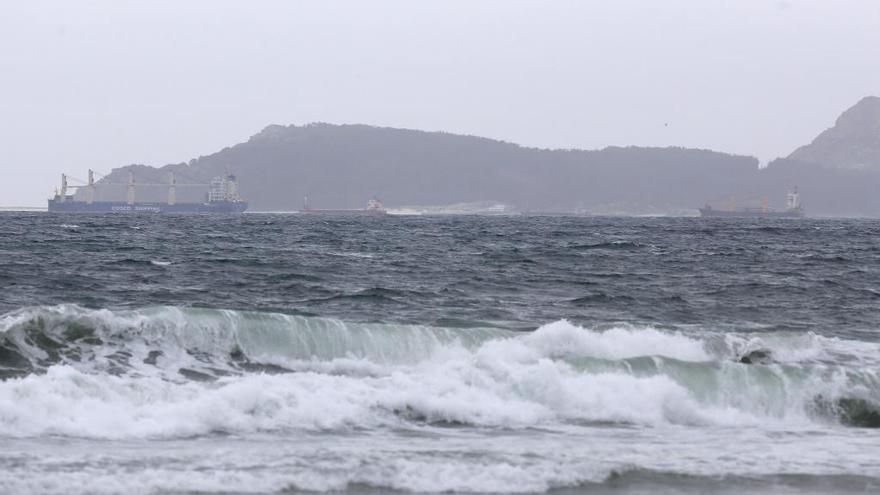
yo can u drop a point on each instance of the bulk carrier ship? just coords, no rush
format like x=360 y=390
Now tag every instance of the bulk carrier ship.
x=222 y=197
x=793 y=209
x=374 y=207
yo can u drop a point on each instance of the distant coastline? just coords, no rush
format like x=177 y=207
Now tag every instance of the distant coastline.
x=342 y=166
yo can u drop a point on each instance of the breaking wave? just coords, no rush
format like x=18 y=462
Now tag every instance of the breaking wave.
x=168 y=372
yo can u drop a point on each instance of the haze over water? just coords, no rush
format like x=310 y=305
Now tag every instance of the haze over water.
x=106 y=83
x=292 y=353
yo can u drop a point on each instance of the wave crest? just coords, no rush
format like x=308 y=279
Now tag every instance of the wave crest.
x=172 y=372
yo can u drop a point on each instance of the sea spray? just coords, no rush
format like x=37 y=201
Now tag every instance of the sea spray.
x=166 y=372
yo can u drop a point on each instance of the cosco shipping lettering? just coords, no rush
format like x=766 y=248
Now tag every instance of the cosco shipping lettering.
x=222 y=197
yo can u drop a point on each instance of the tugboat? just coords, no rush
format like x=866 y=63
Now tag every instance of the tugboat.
x=793 y=209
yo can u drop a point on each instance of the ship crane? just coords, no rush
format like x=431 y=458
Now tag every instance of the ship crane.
x=89 y=186
x=90 y=192
x=131 y=187
x=129 y=196
x=172 y=189
x=793 y=200
x=223 y=195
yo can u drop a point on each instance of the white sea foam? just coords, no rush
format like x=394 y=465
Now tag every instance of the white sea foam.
x=807 y=347
x=366 y=376
x=321 y=471
x=476 y=390
x=562 y=339
x=497 y=462
x=160 y=263
x=351 y=254
x=66 y=401
x=433 y=461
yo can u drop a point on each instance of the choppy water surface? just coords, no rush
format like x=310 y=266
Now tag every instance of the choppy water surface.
x=285 y=353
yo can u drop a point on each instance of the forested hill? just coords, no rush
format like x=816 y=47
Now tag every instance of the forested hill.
x=342 y=166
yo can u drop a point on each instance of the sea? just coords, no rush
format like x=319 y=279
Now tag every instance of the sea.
x=285 y=353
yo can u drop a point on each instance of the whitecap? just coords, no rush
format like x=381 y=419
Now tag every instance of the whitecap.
x=366 y=376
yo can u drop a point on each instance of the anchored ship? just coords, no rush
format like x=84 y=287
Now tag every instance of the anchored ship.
x=793 y=209
x=222 y=197
x=374 y=207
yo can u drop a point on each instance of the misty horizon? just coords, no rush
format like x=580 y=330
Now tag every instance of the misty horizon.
x=110 y=83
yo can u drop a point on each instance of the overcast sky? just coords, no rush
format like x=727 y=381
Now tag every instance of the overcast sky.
x=102 y=84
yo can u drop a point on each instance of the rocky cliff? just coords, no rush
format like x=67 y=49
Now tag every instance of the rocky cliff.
x=853 y=142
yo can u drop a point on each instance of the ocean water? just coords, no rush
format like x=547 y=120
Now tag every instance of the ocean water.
x=298 y=354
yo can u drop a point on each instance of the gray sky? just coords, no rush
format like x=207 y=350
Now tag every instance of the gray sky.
x=102 y=84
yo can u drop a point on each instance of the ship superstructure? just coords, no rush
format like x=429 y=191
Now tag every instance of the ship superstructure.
x=222 y=197
x=793 y=209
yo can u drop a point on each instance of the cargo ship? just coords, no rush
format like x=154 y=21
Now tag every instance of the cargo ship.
x=793 y=209
x=222 y=197
x=374 y=207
